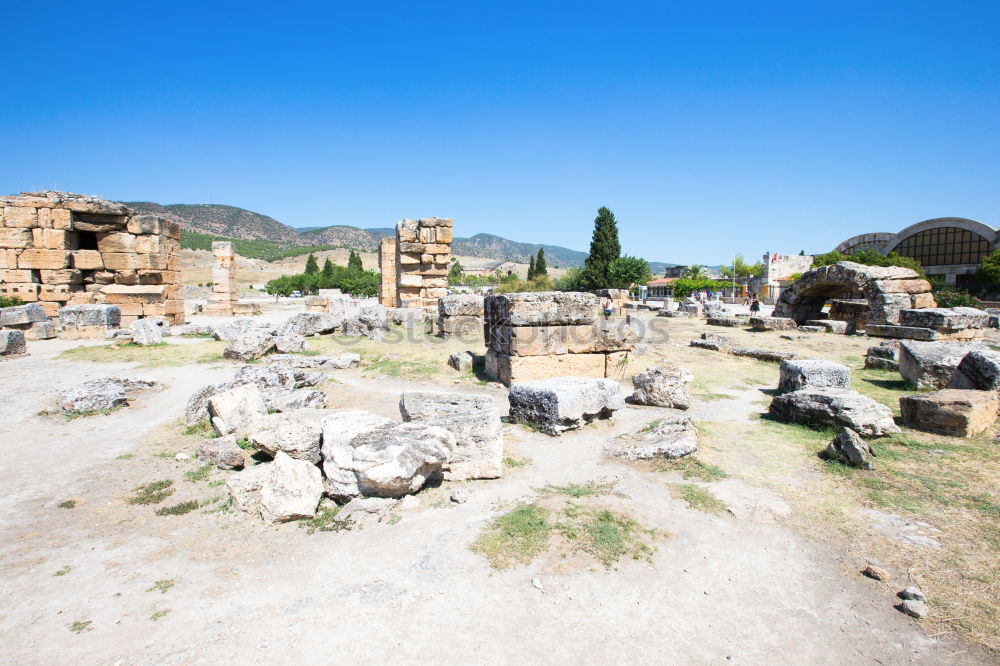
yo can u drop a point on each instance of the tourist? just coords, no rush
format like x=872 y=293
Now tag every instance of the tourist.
x=608 y=305
x=754 y=305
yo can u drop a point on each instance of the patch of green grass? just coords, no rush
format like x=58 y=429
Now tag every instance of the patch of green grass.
x=651 y=426
x=698 y=498
x=178 y=509
x=225 y=506
x=514 y=462
x=529 y=425
x=62 y=572
x=161 y=586
x=325 y=520
x=245 y=444
x=67 y=504
x=71 y=415
x=199 y=474
x=152 y=493
x=125 y=456
x=217 y=482
x=518 y=536
x=80 y=627
x=606 y=535
x=202 y=428
x=165 y=454
x=394 y=367
x=158 y=614
x=690 y=468
x=153 y=356
x=394 y=518
x=589 y=489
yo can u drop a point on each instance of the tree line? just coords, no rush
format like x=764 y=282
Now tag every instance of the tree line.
x=351 y=279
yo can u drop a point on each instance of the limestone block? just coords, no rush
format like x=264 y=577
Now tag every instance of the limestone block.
x=115 y=293
x=16 y=275
x=564 y=403
x=15 y=238
x=945 y=318
x=45 y=218
x=87 y=260
x=428 y=235
x=437 y=248
x=51 y=308
x=902 y=332
x=34 y=258
x=62 y=219
x=54 y=292
x=426 y=258
x=148 y=244
x=922 y=301
x=436 y=283
x=930 y=365
x=772 y=323
x=52 y=239
x=103 y=316
x=143 y=224
x=21 y=315
x=835 y=407
x=507 y=369
x=434 y=270
x=20 y=217
x=406 y=231
x=800 y=374
x=123 y=261
x=127 y=278
x=953 y=412
x=116 y=242
x=171 y=230
x=62 y=276
x=131 y=309
x=411 y=280
x=12 y=343
x=444 y=234
x=978 y=370
x=27 y=292
x=541 y=308
x=151 y=277
x=409 y=259
x=459 y=325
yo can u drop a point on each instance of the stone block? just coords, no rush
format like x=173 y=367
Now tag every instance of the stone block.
x=116 y=242
x=51 y=259
x=509 y=369
x=459 y=325
x=45 y=218
x=116 y=293
x=902 y=332
x=55 y=292
x=148 y=244
x=930 y=365
x=829 y=325
x=437 y=248
x=143 y=224
x=103 y=316
x=550 y=308
x=20 y=216
x=41 y=330
x=834 y=407
x=21 y=315
x=61 y=219
x=978 y=370
x=52 y=239
x=88 y=260
x=800 y=374
x=772 y=323
x=945 y=318
x=62 y=276
x=15 y=238
x=123 y=261
x=564 y=403
x=17 y=275
x=27 y=292
x=952 y=412
x=12 y=343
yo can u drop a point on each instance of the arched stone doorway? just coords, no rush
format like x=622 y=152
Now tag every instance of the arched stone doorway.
x=886 y=289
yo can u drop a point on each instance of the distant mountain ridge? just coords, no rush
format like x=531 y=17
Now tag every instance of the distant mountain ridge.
x=233 y=222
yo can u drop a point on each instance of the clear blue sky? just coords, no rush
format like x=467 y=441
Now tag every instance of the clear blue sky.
x=709 y=128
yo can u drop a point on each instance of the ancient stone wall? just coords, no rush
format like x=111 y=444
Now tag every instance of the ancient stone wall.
x=225 y=292
x=58 y=248
x=387 y=267
x=423 y=257
x=552 y=334
x=459 y=314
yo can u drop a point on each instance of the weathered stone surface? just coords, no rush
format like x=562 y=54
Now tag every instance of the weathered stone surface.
x=244 y=487
x=363 y=511
x=952 y=412
x=902 y=332
x=850 y=449
x=149 y=331
x=458 y=325
x=297 y=433
x=425 y=405
x=729 y=322
x=811 y=329
x=800 y=374
x=272 y=376
x=12 y=343
x=772 y=323
x=461 y=361
x=345 y=360
x=978 y=370
x=250 y=346
x=371 y=322
x=762 y=354
x=284 y=400
x=365 y=455
x=836 y=407
x=564 y=403
x=945 y=318
x=829 y=325
x=105 y=393
x=291 y=490
x=716 y=338
x=22 y=314
x=930 y=365
x=235 y=411
x=546 y=308
x=460 y=305
x=671 y=437
x=706 y=344
x=509 y=369
x=223 y=452
x=106 y=316
x=883 y=356
x=310 y=323
x=40 y=330
x=662 y=386
x=289 y=344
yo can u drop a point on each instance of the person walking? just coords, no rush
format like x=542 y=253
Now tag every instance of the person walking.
x=754 y=306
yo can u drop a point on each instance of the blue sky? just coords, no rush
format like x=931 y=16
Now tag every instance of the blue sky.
x=709 y=128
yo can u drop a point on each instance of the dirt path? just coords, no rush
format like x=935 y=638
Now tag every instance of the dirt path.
x=733 y=588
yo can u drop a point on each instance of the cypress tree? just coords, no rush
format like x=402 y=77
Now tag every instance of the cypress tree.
x=354 y=261
x=540 y=267
x=531 y=267
x=604 y=248
x=328 y=270
x=312 y=266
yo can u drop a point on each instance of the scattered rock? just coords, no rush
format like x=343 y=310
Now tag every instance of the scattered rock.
x=285 y=400
x=460 y=496
x=913 y=608
x=290 y=344
x=836 y=407
x=182 y=456
x=244 y=487
x=772 y=323
x=850 y=449
x=310 y=323
x=461 y=361
x=796 y=375
x=883 y=356
x=235 y=411
x=672 y=437
x=12 y=343
x=930 y=365
x=565 y=403
x=662 y=386
x=979 y=370
x=762 y=354
x=363 y=511
x=250 y=346
x=408 y=503
x=102 y=394
x=912 y=592
x=291 y=490
x=296 y=433
x=233 y=329
x=876 y=573
x=223 y=452
x=149 y=331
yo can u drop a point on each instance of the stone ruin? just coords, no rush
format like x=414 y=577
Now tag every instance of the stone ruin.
x=459 y=314
x=540 y=335
x=224 y=299
x=415 y=264
x=59 y=249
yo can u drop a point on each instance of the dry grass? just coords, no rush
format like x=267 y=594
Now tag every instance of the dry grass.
x=157 y=356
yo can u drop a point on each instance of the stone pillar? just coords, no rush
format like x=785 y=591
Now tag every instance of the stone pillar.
x=387 y=267
x=222 y=300
x=423 y=257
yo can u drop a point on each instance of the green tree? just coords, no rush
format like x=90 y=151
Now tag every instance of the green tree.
x=354 y=261
x=802 y=253
x=328 y=270
x=742 y=269
x=540 y=267
x=455 y=275
x=626 y=271
x=989 y=270
x=695 y=272
x=571 y=280
x=531 y=267
x=604 y=248
x=312 y=266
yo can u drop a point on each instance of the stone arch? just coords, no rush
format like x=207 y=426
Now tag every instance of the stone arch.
x=887 y=289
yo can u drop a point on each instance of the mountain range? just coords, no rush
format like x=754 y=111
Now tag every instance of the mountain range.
x=239 y=223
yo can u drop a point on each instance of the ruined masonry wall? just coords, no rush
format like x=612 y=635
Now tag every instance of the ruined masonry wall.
x=58 y=249
x=222 y=301
x=423 y=257
x=387 y=267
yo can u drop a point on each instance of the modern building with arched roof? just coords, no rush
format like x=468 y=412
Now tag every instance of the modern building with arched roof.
x=949 y=246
